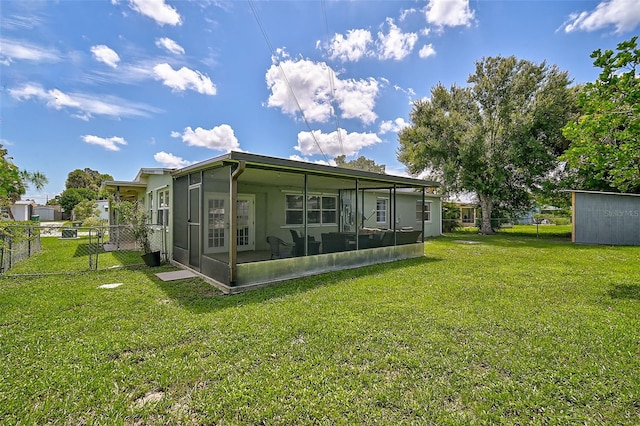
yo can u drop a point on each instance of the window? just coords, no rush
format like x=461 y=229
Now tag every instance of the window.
x=381 y=210
x=150 y=205
x=423 y=211
x=321 y=209
x=163 y=207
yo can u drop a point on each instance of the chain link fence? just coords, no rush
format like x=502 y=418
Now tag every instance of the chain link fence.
x=450 y=225
x=54 y=248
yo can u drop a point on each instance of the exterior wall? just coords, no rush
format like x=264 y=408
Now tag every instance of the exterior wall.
x=156 y=184
x=21 y=211
x=103 y=206
x=47 y=213
x=606 y=218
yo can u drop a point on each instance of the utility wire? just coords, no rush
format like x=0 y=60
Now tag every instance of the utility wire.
x=284 y=75
x=332 y=82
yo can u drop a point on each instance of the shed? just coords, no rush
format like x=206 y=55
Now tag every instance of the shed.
x=605 y=218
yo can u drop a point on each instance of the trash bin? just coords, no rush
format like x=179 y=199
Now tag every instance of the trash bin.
x=35 y=218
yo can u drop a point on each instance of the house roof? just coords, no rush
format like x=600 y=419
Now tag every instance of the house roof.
x=603 y=193
x=286 y=165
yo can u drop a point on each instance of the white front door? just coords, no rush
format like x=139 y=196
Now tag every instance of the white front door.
x=217 y=226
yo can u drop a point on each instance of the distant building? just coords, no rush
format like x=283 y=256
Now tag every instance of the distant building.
x=22 y=210
x=605 y=218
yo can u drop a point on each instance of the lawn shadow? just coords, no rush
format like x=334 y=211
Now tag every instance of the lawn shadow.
x=200 y=297
x=625 y=291
x=85 y=249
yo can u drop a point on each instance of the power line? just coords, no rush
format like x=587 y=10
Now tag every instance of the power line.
x=331 y=80
x=284 y=75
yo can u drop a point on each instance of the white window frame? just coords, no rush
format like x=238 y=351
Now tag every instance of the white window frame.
x=321 y=210
x=423 y=214
x=164 y=205
x=382 y=215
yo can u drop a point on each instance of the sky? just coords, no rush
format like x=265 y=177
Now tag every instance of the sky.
x=117 y=85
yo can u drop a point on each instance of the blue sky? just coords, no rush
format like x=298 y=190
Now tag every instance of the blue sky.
x=123 y=84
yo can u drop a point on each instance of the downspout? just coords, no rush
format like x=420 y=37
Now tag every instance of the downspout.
x=233 y=220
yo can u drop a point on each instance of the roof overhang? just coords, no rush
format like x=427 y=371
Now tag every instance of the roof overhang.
x=285 y=165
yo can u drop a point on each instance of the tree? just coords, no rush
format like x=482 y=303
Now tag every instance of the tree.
x=498 y=137
x=14 y=182
x=72 y=196
x=605 y=140
x=86 y=209
x=361 y=163
x=86 y=178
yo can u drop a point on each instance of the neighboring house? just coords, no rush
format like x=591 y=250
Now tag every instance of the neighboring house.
x=48 y=213
x=605 y=218
x=467 y=213
x=103 y=206
x=22 y=210
x=236 y=218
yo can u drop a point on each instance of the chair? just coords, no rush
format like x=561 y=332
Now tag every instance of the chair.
x=333 y=242
x=314 y=246
x=279 y=248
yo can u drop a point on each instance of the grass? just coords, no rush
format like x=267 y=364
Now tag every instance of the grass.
x=507 y=329
x=72 y=255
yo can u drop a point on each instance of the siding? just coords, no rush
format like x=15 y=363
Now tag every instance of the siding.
x=605 y=218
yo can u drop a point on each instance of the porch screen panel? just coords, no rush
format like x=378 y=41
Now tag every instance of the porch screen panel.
x=181 y=199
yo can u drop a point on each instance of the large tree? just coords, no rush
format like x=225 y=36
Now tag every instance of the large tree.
x=361 y=163
x=605 y=140
x=498 y=137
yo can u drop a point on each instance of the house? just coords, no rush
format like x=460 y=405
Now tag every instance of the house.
x=22 y=210
x=153 y=188
x=605 y=218
x=245 y=220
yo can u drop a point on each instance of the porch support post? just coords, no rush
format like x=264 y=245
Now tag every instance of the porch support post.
x=233 y=219
x=424 y=200
x=305 y=222
x=357 y=213
x=395 y=212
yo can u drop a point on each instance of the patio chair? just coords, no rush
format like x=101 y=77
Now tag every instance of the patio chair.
x=314 y=246
x=279 y=248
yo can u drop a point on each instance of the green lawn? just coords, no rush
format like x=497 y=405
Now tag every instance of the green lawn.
x=507 y=329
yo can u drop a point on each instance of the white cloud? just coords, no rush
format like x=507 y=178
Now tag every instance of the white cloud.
x=184 y=78
x=311 y=84
x=352 y=47
x=85 y=105
x=220 y=138
x=307 y=160
x=110 y=144
x=395 y=44
x=11 y=50
x=348 y=143
x=427 y=50
x=157 y=10
x=623 y=14
x=449 y=13
x=106 y=55
x=406 y=12
x=170 y=45
x=169 y=160
x=357 y=99
x=393 y=126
